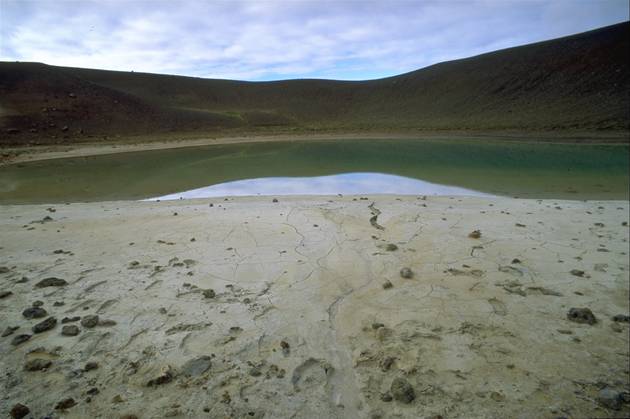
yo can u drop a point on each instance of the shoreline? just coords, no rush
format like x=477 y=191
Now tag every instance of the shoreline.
x=23 y=154
x=246 y=307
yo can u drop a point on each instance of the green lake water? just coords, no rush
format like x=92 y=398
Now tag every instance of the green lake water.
x=527 y=170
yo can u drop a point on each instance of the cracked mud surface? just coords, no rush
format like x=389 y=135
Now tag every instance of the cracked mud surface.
x=251 y=308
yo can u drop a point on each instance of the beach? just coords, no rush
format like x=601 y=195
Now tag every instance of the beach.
x=373 y=306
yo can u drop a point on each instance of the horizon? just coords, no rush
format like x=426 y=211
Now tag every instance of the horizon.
x=341 y=41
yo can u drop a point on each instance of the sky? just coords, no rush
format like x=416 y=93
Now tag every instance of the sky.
x=271 y=40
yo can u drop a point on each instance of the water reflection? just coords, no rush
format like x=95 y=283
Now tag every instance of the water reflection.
x=347 y=183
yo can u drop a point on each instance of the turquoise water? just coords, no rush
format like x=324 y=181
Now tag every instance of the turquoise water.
x=532 y=170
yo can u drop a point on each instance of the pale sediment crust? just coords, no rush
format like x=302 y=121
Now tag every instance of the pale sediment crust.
x=298 y=308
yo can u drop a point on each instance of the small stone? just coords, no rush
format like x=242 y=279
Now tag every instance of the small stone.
x=51 y=282
x=497 y=397
x=37 y=364
x=34 y=313
x=70 y=330
x=406 y=273
x=377 y=325
x=610 y=398
x=621 y=318
x=516 y=261
x=387 y=285
x=255 y=372
x=391 y=247
x=387 y=363
x=581 y=315
x=475 y=234
x=45 y=325
x=386 y=397
x=90 y=366
x=93 y=391
x=209 y=293
x=165 y=377
x=19 y=339
x=37 y=303
x=9 y=330
x=70 y=319
x=196 y=367
x=107 y=323
x=274 y=200
x=89 y=321
x=5 y=294
x=286 y=348
x=58 y=304
x=402 y=391
x=4 y=270
x=18 y=411
x=65 y=404
x=577 y=272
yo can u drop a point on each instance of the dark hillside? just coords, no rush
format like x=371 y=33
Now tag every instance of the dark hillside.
x=581 y=82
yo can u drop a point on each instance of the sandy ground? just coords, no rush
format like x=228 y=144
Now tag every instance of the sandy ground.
x=249 y=308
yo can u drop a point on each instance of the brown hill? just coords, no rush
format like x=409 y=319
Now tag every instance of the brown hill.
x=580 y=82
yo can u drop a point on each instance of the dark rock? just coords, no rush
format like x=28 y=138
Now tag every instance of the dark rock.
x=255 y=372
x=4 y=270
x=581 y=315
x=93 y=391
x=34 y=313
x=37 y=303
x=51 y=282
x=65 y=404
x=516 y=261
x=12 y=131
x=377 y=325
x=164 y=378
x=90 y=366
x=196 y=367
x=58 y=304
x=47 y=324
x=577 y=272
x=610 y=398
x=5 y=294
x=387 y=285
x=19 y=339
x=37 y=364
x=274 y=200
x=286 y=348
x=107 y=323
x=391 y=247
x=89 y=321
x=209 y=293
x=406 y=273
x=475 y=234
x=9 y=330
x=18 y=411
x=70 y=330
x=387 y=363
x=621 y=318
x=70 y=319
x=386 y=397
x=402 y=391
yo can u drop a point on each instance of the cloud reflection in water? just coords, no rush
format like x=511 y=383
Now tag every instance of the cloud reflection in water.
x=347 y=183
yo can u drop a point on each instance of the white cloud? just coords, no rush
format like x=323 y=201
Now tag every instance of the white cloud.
x=283 y=39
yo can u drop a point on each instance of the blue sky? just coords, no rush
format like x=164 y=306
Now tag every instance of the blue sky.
x=270 y=40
